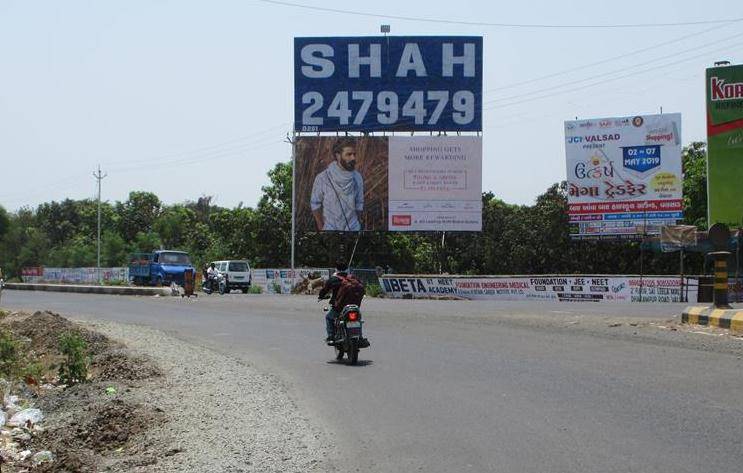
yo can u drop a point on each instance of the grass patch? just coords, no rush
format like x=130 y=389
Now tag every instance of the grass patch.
x=10 y=356
x=255 y=290
x=374 y=290
x=74 y=368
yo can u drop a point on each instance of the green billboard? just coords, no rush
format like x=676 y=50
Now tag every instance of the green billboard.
x=725 y=145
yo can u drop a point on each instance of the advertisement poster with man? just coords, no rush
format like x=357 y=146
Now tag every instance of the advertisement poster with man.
x=341 y=183
x=396 y=183
x=624 y=175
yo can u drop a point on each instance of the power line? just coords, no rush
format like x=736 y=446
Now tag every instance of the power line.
x=204 y=148
x=612 y=79
x=604 y=61
x=496 y=25
x=604 y=74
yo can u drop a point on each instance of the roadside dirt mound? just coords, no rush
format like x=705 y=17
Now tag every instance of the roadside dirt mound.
x=92 y=426
x=44 y=329
x=111 y=425
x=118 y=364
x=92 y=434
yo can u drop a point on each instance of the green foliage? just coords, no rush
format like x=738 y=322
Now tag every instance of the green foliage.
x=114 y=250
x=516 y=239
x=4 y=222
x=74 y=368
x=10 y=355
x=374 y=290
x=138 y=214
x=255 y=290
x=694 y=161
x=75 y=253
x=33 y=369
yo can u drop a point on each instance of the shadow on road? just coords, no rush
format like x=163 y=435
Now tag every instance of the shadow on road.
x=345 y=363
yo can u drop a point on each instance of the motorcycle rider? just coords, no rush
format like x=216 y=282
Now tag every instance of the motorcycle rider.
x=212 y=273
x=331 y=286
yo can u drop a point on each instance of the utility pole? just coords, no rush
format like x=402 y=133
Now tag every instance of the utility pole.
x=99 y=177
x=293 y=140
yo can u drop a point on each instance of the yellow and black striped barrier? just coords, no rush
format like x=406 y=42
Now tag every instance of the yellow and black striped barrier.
x=720 y=293
x=723 y=318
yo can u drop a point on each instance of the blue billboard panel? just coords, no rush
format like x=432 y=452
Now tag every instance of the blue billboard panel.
x=396 y=83
x=641 y=158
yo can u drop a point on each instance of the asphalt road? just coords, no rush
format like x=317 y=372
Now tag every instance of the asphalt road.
x=456 y=386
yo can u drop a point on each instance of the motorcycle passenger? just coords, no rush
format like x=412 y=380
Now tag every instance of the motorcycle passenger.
x=331 y=287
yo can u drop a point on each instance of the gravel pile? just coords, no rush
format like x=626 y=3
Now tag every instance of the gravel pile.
x=221 y=414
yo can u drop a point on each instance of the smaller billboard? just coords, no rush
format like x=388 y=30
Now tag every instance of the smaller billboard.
x=725 y=145
x=624 y=175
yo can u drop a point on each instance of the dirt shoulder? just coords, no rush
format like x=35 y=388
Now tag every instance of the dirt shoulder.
x=153 y=403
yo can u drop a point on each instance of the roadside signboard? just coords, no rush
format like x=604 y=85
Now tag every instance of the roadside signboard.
x=624 y=175
x=725 y=145
x=553 y=288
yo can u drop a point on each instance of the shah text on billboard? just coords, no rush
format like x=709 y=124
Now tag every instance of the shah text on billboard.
x=409 y=83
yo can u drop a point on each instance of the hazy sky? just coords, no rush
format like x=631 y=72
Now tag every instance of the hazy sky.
x=186 y=98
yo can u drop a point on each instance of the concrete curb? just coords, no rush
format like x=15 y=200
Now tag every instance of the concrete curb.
x=112 y=290
x=723 y=318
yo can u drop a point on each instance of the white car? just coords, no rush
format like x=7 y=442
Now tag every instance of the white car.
x=239 y=275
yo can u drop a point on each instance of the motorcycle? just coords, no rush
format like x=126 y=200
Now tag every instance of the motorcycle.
x=218 y=283
x=347 y=335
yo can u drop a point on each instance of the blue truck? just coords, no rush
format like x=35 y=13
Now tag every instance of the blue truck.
x=159 y=268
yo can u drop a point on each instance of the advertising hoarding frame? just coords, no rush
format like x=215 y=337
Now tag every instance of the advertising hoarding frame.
x=624 y=176
x=724 y=106
x=474 y=127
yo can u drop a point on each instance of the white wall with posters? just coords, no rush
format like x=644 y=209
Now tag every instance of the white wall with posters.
x=435 y=183
x=283 y=281
x=556 y=288
x=624 y=175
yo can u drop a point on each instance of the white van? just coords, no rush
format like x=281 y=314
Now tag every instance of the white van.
x=239 y=275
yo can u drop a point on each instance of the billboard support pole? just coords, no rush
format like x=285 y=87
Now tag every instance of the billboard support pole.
x=293 y=141
x=681 y=270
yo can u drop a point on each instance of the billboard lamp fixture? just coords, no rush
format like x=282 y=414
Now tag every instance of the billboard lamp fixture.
x=722 y=63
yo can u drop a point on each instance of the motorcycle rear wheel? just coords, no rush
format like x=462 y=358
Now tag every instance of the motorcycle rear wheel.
x=353 y=353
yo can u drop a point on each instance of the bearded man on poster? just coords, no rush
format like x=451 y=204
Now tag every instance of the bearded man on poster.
x=337 y=199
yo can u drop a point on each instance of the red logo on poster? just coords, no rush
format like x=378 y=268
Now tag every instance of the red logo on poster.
x=402 y=220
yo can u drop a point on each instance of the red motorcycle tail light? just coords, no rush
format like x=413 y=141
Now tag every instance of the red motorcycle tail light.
x=353 y=316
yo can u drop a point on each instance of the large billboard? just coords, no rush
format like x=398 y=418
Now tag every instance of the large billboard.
x=406 y=83
x=397 y=183
x=725 y=145
x=624 y=175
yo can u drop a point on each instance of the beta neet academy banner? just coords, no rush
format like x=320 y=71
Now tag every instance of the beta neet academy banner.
x=624 y=175
x=409 y=83
x=554 y=288
x=725 y=145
